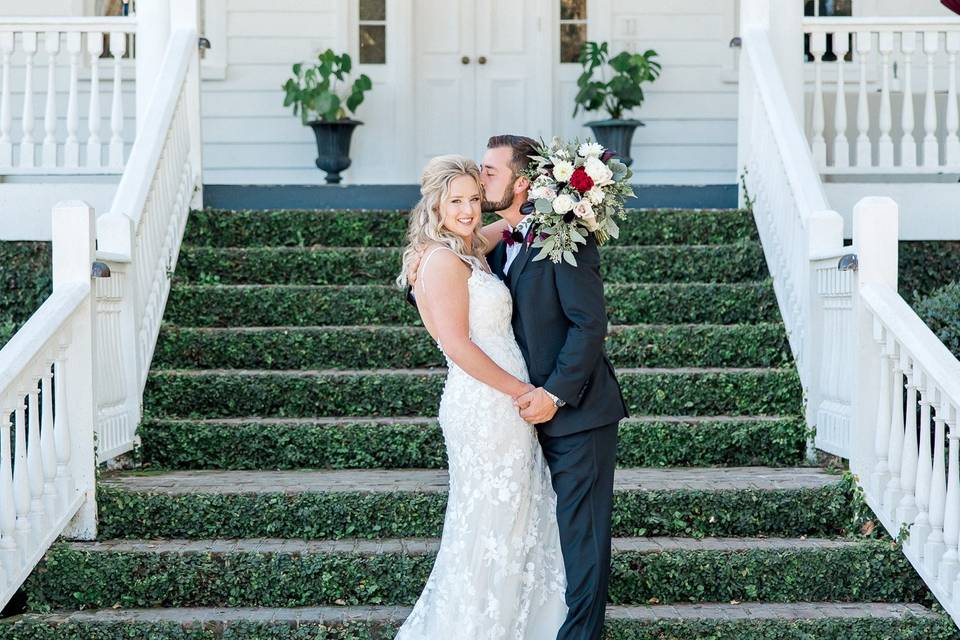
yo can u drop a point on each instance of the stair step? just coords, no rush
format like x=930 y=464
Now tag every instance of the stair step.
x=739 y=345
x=278 y=305
x=373 y=503
x=682 y=621
x=275 y=572
x=742 y=261
x=360 y=442
x=224 y=228
x=213 y=393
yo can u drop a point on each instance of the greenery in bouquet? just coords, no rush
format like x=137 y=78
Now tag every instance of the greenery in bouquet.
x=575 y=189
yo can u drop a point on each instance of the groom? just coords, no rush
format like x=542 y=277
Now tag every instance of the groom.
x=560 y=323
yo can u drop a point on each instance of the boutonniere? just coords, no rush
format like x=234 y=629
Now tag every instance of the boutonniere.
x=513 y=237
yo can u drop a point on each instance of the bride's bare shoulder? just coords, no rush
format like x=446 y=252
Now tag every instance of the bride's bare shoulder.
x=442 y=263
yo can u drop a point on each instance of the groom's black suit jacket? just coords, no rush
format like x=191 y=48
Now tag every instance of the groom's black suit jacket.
x=560 y=323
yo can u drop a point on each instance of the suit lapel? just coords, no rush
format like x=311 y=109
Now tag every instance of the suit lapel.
x=519 y=263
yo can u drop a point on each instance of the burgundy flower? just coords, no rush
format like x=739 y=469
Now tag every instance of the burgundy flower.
x=607 y=155
x=581 y=181
x=569 y=217
x=528 y=207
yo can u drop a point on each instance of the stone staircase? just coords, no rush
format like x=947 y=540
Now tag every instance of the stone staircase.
x=292 y=485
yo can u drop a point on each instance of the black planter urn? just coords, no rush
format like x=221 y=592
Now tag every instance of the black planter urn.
x=616 y=135
x=333 y=146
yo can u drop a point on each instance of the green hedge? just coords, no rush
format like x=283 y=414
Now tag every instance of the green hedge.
x=746 y=512
x=926 y=266
x=72 y=578
x=852 y=628
x=220 y=228
x=366 y=445
x=354 y=305
x=213 y=394
x=25 y=282
x=760 y=345
x=341 y=266
x=941 y=312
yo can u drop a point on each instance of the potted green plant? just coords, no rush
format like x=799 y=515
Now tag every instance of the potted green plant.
x=621 y=93
x=316 y=90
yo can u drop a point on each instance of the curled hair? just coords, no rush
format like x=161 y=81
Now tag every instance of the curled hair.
x=426 y=222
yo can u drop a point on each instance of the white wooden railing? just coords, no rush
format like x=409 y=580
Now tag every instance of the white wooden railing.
x=58 y=144
x=869 y=86
x=880 y=388
x=71 y=379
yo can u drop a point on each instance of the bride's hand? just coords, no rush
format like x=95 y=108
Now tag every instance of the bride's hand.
x=523 y=388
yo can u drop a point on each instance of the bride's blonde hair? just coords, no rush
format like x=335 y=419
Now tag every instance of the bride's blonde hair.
x=426 y=222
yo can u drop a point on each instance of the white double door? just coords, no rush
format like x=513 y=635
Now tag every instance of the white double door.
x=481 y=68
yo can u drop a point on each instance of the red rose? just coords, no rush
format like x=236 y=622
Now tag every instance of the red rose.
x=581 y=181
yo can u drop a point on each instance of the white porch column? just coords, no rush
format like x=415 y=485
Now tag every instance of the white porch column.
x=184 y=14
x=875 y=239
x=153 y=33
x=73 y=251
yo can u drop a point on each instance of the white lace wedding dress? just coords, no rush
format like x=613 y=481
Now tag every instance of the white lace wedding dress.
x=499 y=571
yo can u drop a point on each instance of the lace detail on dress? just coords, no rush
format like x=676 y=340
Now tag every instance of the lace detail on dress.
x=499 y=571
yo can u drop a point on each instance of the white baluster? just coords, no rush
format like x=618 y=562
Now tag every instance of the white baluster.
x=934 y=548
x=27 y=145
x=47 y=445
x=953 y=116
x=38 y=519
x=921 y=526
x=891 y=496
x=841 y=146
x=6 y=115
x=94 y=146
x=71 y=149
x=818 y=45
x=931 y=146
x=885 y=143
x=907 y=509
x=881 y=472
x=61 y=429
x=10 y=553
x=118 y=47
x=21 y=479
x=864 y=42
x=908 y=144
x=949 y=564
x=51 y=42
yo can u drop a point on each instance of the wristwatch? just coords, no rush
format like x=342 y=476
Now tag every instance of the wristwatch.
x=557 y=402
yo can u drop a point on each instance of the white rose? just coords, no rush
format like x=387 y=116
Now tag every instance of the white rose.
x=598 y=171
x=583 y=209
x=562 y=170
x=563 y=203
x=590 y=149
x=544 y=192
x=595 y=195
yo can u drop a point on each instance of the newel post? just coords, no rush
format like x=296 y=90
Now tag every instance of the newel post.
x=153 y=34
x=184 y=14
x=876 y=234
x=73 y=249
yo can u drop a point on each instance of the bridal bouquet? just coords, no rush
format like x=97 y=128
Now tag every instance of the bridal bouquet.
x=575 y=189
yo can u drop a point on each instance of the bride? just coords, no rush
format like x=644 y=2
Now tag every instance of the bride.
x=499 y=570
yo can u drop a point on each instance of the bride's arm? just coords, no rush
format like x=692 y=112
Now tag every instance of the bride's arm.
x=493 y=233
x=443 y=298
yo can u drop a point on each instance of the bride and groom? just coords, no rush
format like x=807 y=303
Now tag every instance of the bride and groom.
x=529 y=411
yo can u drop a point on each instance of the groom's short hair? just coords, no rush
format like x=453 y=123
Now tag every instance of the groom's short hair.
x=522 y=147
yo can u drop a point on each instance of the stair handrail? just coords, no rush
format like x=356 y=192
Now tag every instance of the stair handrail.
x=72 y=377
x=880 y=388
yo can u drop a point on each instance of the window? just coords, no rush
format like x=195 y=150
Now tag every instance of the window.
x=373 y=31
x=573 y=29
x=822 y=9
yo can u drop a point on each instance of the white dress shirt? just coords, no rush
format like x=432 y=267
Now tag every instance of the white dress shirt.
x=514 y=249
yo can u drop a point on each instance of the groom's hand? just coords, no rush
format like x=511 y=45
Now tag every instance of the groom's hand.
x=536 y=407
x=413 y=268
